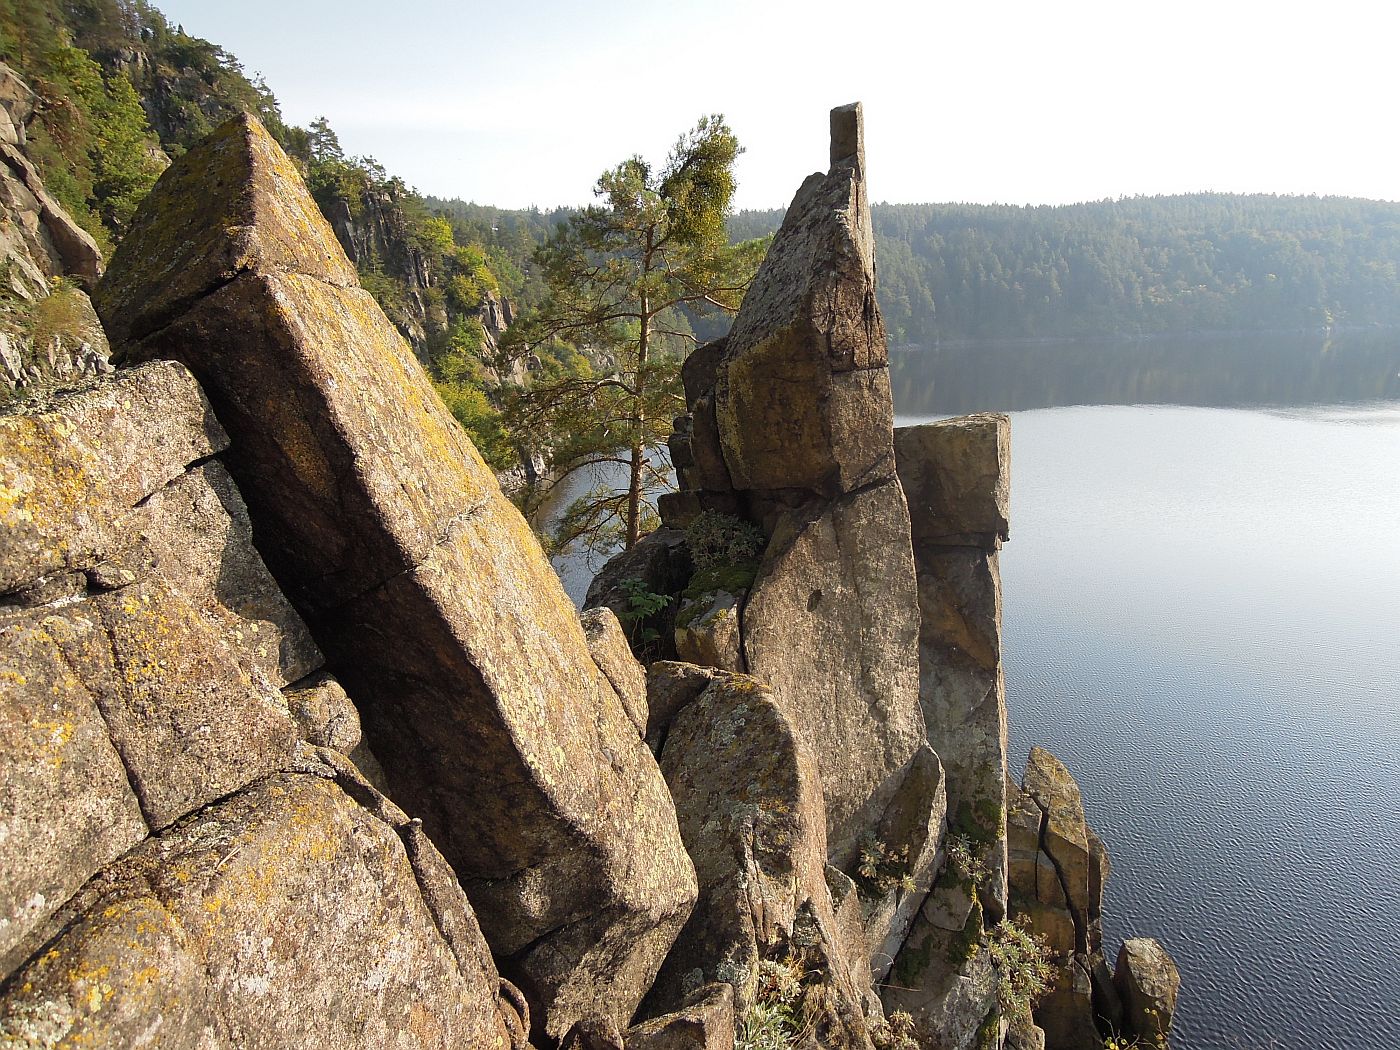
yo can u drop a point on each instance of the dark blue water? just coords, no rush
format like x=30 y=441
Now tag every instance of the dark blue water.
x=1202 y=618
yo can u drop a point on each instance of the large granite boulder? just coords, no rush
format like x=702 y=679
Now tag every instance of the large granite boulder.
x=956 y=475
x=802 y=395
x=164 y=875
x=1148 y=981
x=832 y=625
x=435 y=606
x=748 y=797
x=143 y=642
x=242 y=926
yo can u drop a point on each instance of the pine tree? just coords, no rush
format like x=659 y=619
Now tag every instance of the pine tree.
x=622 y=273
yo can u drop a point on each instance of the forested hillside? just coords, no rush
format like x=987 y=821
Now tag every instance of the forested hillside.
x=1140 y=266
x=119 y=90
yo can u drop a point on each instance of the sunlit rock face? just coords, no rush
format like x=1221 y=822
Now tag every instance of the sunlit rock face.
x=184 y=853
x=791 y=426
x=436 y=607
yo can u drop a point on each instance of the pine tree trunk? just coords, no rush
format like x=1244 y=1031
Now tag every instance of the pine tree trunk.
x=634 y=484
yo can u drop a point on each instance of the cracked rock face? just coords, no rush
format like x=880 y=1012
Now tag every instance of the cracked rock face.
x=242 y=921
x=792 y=426
x=436 y=608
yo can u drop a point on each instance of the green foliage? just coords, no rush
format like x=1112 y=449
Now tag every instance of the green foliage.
x=730 y=578
x=965 y=859
x=619 y=273
x=897 y=1032
x=61 y=315
x=717 y=539
x=471 y=407
x=1024 y=972
x=774 y=1020
x=91 y=142
x=642 y=605
x=882 y=868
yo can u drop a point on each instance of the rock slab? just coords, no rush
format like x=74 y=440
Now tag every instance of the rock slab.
x=433 y=602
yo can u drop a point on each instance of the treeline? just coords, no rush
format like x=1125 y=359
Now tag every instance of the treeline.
x=1138 y=266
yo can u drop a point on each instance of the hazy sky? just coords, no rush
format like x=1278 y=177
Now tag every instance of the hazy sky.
x=527 y=102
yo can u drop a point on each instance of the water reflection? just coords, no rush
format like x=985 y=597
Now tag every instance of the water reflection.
x=1291 y=369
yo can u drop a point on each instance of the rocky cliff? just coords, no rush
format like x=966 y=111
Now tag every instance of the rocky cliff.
x=304 y=745
x=48 y=331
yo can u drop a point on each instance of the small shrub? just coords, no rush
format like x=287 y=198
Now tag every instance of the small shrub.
x=774 y=1021
x=1023 y=969
x=882 y=868
x=717 y=540
x=895 y=1033
x=965 y=859
x=642 y=604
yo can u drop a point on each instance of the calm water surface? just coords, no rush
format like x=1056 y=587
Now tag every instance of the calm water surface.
x=1202 y=618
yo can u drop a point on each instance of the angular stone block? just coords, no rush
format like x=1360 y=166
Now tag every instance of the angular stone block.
x=957 y=476
x=71 y=468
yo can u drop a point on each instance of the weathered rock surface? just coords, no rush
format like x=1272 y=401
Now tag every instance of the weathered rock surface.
x=791 y=426
x=909 y=839
x=16 y=107
x=434 y=604
x=1148 y=981
x=613 y=655
x=55 y=242
x=1064 y=835
x=956 y=475
x=1058 y=867
x=748 y=798
x=671 y=685
x=69 y=473
x=67 y=808
x=237 y=927
x=142 y=635
x=706 y=1022
x=832 y=624
x=802 y=397
x=707 y=631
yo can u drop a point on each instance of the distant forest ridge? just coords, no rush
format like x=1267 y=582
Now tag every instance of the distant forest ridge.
x=1204 y=262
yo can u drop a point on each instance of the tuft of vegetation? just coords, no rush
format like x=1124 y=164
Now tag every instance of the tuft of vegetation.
x=774 y=1021
x=1023 y=967
x=896 y=1032
x=718 y=540
x=882 y=868
x=642 y=605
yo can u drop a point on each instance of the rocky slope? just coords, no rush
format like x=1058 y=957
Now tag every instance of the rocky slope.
x=304 y=745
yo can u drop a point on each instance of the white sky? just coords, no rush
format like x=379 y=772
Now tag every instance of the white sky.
x=528 y=102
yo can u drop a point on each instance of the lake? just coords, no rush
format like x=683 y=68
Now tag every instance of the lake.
x=1202 y=619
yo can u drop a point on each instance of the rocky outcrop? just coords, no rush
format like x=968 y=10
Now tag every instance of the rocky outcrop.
x=435 y=605
x=1058 y=868
x=1147 y=981
x=706 y=1022
x=956 y=477
x=749 y=801
x=791 y=426
x=185 y=854
x=42 y=344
